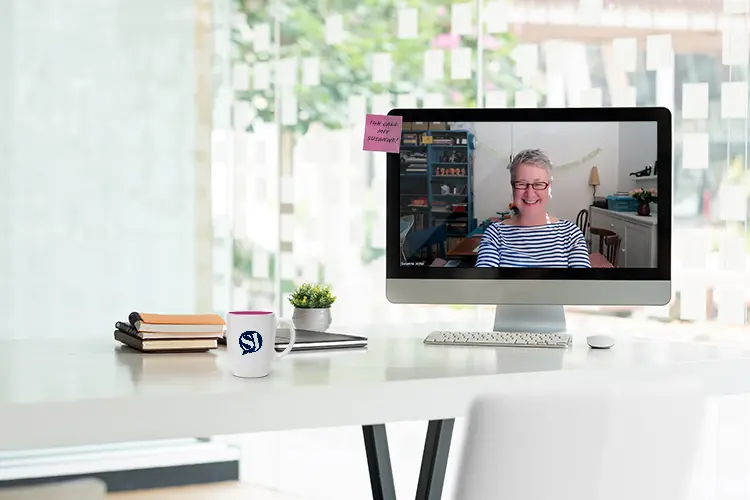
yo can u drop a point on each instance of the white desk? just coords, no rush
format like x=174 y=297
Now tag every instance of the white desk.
x=57 y=393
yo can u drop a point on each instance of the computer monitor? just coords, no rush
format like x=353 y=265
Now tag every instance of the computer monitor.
x=530 y=210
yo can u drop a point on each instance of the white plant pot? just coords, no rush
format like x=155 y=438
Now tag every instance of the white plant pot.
x=312 y=319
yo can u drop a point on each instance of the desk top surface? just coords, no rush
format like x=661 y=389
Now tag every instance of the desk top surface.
x=76 y=392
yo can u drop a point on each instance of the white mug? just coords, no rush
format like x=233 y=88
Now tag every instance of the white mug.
x=251 y=339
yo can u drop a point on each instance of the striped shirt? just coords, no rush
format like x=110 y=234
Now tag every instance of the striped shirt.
x=558 y=244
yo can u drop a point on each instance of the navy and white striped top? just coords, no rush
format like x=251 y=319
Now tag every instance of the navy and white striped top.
x=557 y=244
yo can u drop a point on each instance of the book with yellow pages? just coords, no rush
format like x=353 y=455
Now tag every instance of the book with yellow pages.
x=171 y=345
x=184 y=323
x=178 y=335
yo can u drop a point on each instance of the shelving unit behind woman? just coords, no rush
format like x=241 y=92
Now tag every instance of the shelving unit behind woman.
x=437 y=171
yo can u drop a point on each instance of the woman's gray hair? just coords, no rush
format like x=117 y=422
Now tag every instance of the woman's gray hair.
x=535 y=156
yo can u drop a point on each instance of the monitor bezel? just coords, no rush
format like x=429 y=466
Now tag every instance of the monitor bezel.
x=663 y=119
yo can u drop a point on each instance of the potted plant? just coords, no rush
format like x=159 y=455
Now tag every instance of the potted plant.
x=644 y=197
x=312 y=307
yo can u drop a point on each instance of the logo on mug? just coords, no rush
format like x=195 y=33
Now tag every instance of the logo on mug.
x=250 y=341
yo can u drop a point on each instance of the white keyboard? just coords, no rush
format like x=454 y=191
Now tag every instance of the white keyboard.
x=499 y=339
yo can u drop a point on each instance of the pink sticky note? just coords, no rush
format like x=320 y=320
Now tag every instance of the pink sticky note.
x=383 y=133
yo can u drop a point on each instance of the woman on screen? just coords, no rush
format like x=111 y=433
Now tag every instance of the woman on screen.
x=532 y=238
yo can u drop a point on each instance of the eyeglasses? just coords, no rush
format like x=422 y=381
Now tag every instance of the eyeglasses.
x=537 y=186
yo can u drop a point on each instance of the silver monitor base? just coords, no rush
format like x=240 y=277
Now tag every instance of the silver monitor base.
x=529 y=319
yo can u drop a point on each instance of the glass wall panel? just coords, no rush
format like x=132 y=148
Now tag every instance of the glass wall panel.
x=105 y=173
x=310 y=203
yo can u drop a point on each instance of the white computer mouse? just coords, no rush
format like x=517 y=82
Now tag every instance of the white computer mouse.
x=600 y=341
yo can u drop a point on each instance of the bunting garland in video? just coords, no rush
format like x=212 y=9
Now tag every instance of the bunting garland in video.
x=581 y=161
x=590 y=156
x=479 y=143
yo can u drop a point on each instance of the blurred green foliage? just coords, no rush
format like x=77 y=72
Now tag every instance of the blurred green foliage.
x=371 y=26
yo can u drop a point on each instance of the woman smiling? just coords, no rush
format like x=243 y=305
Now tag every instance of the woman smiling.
x=532 y=238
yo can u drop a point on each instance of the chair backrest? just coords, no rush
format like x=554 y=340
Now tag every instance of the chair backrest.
x=600 y=442
x=601 y=233
x=582 y=220
x=612 y=249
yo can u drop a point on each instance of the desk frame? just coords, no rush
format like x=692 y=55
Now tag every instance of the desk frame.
x=434 y=460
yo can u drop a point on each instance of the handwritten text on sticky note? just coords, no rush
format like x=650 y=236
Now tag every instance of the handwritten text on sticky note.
x=383 y=133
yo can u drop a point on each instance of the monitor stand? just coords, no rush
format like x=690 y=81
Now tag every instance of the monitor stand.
x=529 y=319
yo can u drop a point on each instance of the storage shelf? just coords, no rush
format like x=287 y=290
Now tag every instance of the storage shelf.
x=646 y=178
x=435 y=213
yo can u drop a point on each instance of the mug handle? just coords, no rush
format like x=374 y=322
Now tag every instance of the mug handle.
x=292 y=337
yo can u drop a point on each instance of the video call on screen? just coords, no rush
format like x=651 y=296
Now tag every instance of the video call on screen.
x=533 y=195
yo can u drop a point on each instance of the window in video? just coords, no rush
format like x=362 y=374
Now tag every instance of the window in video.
x=540 y=195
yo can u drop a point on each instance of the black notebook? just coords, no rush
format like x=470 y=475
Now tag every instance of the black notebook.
x=309 y=340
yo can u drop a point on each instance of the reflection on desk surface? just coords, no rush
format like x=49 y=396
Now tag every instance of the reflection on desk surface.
x=166 y=364
x=453 y=362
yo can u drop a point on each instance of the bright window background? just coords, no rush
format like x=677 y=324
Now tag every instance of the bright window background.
x=308 y=204
x=105 y=171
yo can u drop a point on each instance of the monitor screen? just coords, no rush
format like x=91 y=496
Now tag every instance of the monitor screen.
x=572 y=195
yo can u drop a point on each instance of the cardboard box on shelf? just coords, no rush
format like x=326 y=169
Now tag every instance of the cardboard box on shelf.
x=406 y=127
x=419 y=126
x=438 y=126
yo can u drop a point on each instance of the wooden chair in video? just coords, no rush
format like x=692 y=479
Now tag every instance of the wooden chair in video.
x=582 y=221
x=601 y=233
x=612 y=249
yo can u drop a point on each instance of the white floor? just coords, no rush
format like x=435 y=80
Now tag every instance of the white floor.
x=329 y=464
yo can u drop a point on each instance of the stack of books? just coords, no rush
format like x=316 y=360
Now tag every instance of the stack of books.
x=149 y=332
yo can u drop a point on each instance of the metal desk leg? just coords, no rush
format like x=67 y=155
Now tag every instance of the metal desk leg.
x=379 y=462
x=434 y=459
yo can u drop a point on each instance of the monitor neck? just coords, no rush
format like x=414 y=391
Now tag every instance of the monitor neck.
x=529 y=318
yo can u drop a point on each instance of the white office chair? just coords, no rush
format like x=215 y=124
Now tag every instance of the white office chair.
x=593 y=443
